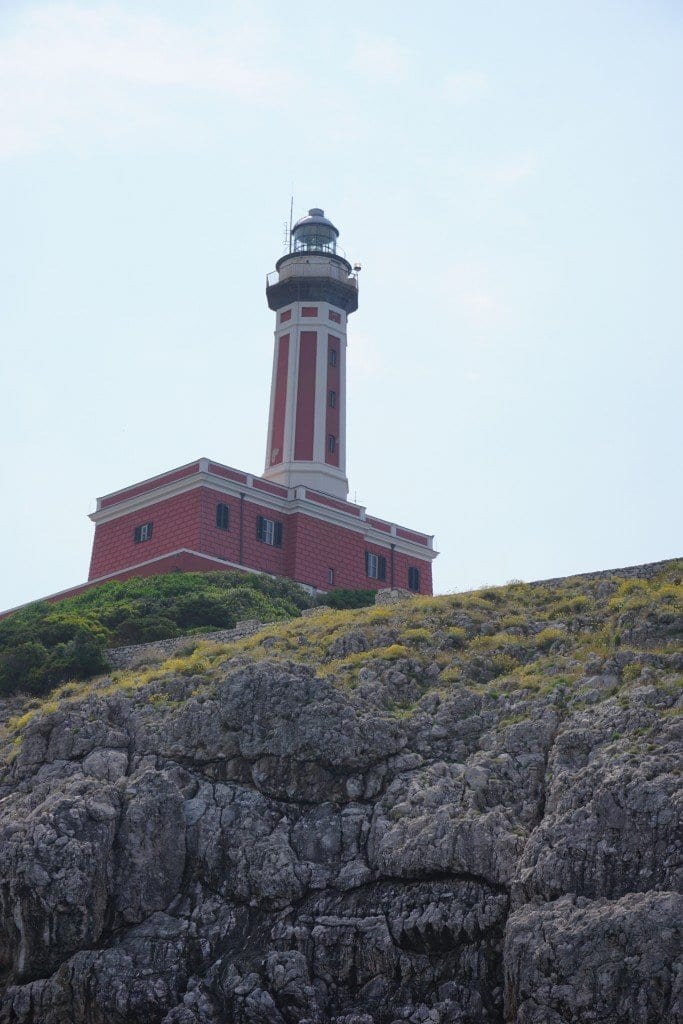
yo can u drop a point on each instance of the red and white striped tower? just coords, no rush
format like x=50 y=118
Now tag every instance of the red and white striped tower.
x=312 y=291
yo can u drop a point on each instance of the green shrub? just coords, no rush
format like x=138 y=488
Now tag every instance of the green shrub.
x=24 y=663
x=547 y=637
x=341 y=598
x=44 y=645
x=416 y=635
x=457 y=635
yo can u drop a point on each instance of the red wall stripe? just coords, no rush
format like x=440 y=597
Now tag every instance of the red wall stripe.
x=305 y=398
x=332 y=415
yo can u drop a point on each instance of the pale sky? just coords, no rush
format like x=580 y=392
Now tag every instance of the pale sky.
x=509 y=174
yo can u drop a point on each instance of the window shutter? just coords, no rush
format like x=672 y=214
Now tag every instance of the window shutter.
x=149 y=531
x=259 y=527
x=222 y=516
x=136 y=534
x=277 y=535
x=381 y=568
x=367 y=563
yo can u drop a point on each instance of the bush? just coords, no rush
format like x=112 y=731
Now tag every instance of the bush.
x=44 y=645
x=22 y=664
x=547 y=637
x=341 y=598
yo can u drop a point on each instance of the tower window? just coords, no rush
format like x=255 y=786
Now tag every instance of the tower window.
x=269 y=531
x=143 y=532
x=331 y=442
x=333 y=357
x=413 y=578
x=285 y=315
x=375 y=566
x=309 y=310
x=333 y=399
x=223 y=516
x=336 y=317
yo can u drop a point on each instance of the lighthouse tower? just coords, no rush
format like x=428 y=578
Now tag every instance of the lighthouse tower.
x=312 y=292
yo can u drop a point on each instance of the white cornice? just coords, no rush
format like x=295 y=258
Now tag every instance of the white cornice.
x=252 y=494
x=203 y=463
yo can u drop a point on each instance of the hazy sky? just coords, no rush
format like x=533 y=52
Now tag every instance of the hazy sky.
x=509 y=175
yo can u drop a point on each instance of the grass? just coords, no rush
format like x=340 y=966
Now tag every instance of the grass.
x=533 y=639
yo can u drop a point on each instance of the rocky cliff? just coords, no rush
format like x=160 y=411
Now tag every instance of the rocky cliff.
x=461 y=809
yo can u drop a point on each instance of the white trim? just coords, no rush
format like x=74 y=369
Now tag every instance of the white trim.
x=290 y=403
x=170 y=554
x=271 y=407
x=341 y=402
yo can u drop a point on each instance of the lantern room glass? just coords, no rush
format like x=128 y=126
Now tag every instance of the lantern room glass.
x=315 y=238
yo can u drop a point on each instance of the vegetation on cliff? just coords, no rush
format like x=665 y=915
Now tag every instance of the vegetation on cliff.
x=44 y=644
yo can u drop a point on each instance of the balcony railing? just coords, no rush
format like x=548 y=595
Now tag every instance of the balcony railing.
x=308 y=265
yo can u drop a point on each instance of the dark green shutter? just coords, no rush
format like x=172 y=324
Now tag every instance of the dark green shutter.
x=381 y=568
x=259 y=528
x=277 y=535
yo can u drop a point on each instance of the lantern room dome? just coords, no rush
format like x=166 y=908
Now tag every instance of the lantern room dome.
x=314 y=233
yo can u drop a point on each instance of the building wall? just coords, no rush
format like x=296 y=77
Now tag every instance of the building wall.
x=309 y=549
x=320 y=546
x=175 y=525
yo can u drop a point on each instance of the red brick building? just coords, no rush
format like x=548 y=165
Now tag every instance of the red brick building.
x=206 y=516
x=295 y=519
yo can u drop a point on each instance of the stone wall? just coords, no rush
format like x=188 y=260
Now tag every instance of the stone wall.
x=643 y=572
x=158 y=650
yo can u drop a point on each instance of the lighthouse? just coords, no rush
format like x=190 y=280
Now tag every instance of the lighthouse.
x=294 y=519
x=312 y=293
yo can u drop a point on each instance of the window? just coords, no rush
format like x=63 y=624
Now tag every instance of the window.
x=375 y=566
x=413 y=578
x=269 y=531
x=331 y=443
x=143 y=532
x=285 y=315
x=333 y=357
x=335 y=316
x=330 y=577
x=309 y=310
x=333 y=399
x=223 y=516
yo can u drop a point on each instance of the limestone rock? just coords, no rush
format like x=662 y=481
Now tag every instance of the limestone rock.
x=400 y=844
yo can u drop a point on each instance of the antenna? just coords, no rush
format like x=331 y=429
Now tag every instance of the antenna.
x=291 y=218
x=284 y=236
